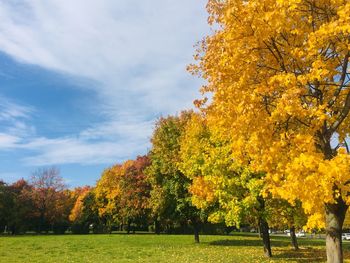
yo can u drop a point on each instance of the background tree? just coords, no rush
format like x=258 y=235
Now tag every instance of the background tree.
x=107 y=194
x=122 y=193
x=6 y=205
x=85 y=212
x=229 y=192
x=283 y=215
x=135 y=192
x=47 y=195
x=78 y=194
x=22 y=216
x=170 y=187
x=279 y=75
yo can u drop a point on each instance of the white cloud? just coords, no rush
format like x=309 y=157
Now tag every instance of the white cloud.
x=136 y=51
x=72 y=151
x=8 y=141
x=14 y=122
x=10 y=111
x=107 y=142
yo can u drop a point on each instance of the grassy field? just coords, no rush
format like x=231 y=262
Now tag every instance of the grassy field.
x=152 y=248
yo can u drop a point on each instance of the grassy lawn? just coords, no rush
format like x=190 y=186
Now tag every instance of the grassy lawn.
x=152 y=248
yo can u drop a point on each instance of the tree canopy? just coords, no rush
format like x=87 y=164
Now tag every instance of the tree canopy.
x=279 y=79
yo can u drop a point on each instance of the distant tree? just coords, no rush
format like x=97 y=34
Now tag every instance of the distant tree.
x=107 y=195
x=170 y=196
x=282 y=214
x=135 y=192
x=47 y=195
x=22 y=217
x=84 y=212
x=79 y=194
x=6 y=205
x=122 y=193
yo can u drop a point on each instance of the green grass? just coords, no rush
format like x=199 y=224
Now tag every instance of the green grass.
x=152 y=248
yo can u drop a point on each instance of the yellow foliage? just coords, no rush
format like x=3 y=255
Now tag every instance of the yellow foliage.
x=278 y=72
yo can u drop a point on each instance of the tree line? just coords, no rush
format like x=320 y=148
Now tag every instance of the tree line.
x=187 y=183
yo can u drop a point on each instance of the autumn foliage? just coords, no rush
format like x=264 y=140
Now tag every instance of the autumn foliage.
x=278 y=72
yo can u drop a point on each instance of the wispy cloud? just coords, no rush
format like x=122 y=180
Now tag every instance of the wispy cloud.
x=104 y=143
x=10 y=111
x=136 y=52
x=8 y=141
x=14 y=122
x=72 y=151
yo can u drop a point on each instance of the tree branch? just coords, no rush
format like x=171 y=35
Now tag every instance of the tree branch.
x=341 y=81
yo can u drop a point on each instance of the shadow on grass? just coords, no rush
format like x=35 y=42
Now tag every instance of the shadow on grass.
x=310 y=251
x=305 y=255
x=253 y=242
x=302 y=255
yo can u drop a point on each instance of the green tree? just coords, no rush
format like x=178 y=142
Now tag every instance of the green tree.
x=170 y=196
x=229 y=192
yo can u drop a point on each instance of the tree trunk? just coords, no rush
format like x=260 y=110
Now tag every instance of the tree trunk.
x=335 y=215
x=41 y=222
x=156 y=226
x=264 y=230
x=196 y=233
x=294 y=238
x=196 y=228
x=128 y=226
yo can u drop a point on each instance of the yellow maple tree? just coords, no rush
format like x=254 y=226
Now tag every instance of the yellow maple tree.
x=278 y=72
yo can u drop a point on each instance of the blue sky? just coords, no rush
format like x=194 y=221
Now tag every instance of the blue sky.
x=82 y=82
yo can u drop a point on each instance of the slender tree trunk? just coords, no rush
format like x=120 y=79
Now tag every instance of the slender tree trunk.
x=128 y=226
x=196 y=227
x=196 y=233
x=156 y=226
x=335 y=215
x=264 y=230
x=13 y=230
x=41 y=222
x=294 y=238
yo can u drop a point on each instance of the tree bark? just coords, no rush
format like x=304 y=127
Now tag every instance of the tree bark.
x=294 y=238
x=264 y=230
x=335 y=215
